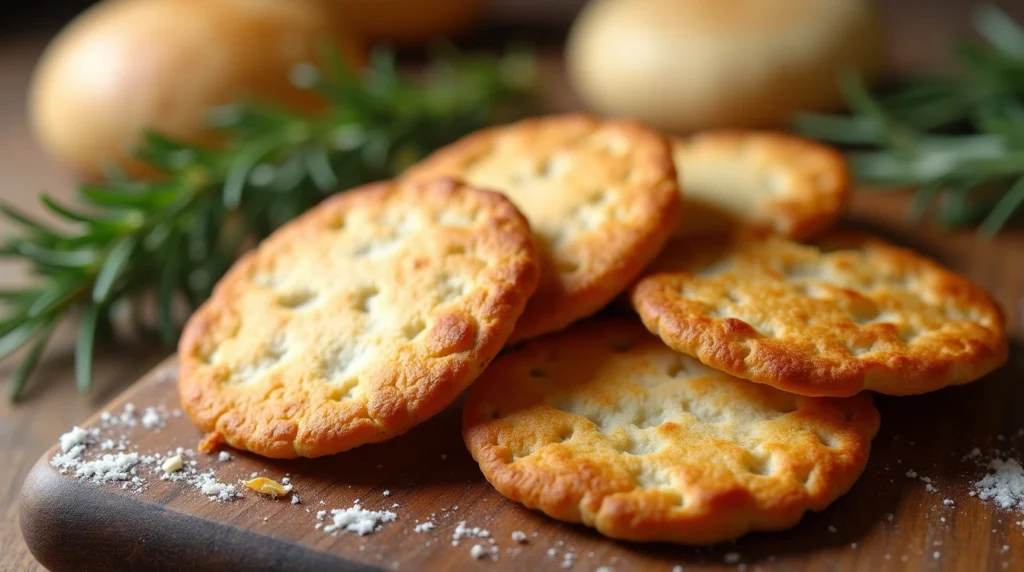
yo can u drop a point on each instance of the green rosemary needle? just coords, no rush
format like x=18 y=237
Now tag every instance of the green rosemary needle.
x=174 y=236
x=957 y=139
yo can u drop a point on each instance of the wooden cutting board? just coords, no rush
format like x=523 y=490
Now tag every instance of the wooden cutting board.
x=71 y=525
x=888 y=521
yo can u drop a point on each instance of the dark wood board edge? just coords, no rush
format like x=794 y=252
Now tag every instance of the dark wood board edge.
x=58 y=512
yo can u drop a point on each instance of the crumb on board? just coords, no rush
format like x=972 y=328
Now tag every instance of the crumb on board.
x=268 y=487
x=210 y=442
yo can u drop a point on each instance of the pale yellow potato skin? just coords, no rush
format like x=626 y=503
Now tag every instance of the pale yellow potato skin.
x=127 y=65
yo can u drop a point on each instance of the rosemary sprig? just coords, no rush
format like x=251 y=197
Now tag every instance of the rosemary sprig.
x=176 y=235
x=958 y=139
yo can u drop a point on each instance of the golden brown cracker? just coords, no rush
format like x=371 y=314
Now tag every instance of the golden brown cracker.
x=361 y=318
x=849 y=313
x=605 y=425
x=601 y=196
x=759 y=179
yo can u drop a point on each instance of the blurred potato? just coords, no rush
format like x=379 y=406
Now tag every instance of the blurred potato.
x=688 y=65
x=126 y=65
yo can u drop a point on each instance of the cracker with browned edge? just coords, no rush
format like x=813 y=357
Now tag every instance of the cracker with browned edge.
x=605 y=425
x=849 y=313
x=601 y=196
x=759 y=180
x=359 y=319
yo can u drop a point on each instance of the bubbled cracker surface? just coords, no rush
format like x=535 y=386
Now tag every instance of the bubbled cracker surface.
x=359 y=319
x=847 y=314
x=757 y=179
x=601 y=197
x=605 y=425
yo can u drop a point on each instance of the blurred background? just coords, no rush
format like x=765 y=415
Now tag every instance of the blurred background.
x=61 y=136
x=79 y=81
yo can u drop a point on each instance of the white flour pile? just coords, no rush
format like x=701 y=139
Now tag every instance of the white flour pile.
x=107 y=468
x=1003 y=485
x=355 y=519
x=125 y=466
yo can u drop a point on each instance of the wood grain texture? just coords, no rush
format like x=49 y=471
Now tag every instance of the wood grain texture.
x=75 y=526
x=941 y=426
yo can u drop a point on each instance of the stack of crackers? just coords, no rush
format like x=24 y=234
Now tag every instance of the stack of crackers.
x=736 y=400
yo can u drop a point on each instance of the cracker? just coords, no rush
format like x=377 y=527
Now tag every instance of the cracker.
x=602 y=424
x=358 y=320
x=601 y=197
x=847 y=314
x=759 y=179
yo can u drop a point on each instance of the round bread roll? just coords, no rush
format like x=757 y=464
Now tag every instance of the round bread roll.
x=127 y=65
x=687 y=65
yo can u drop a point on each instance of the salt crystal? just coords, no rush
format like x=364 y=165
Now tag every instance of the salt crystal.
x=1004 y=485
x=732 y=557
x=424 y=527
x=223 y=456
x=77 y=436
x=359 y=520
x=108 y=468
x=151 y=419
x=208 y=484
x=519 y=536
x=477 y=551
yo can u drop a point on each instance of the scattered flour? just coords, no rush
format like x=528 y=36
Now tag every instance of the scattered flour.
x=208 y=484
x=519 y=536
x=478 y=551
x=732 y=557
x=151 y=419
x=357 y=519
x=463 y=531
x=127 y=467
x=109 y=468
x=223 y=456
x=424 y=527
x=77 y=436
x=1003 y=485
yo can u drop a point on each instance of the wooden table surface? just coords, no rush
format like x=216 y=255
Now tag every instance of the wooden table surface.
x=51 y=403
